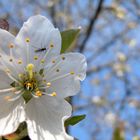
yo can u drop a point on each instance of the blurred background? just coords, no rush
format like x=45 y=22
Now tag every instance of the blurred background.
x=110 y=39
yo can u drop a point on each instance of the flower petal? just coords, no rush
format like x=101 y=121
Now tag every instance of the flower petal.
x=5 y=39
x=42 y=34
x=11 y=115
x=5 y=80
x=66 y=74
x=45 y=118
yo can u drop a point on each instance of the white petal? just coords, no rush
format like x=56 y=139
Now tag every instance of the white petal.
x=11 y=115
x=45 y=118
x=5 y=81
x=5 y=39
x=41 y=33
x=62 y=82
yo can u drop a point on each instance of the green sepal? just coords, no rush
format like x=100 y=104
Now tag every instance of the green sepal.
x=68 y=37
x=74 y=120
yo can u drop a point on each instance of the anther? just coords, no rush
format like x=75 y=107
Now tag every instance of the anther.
x=11 y=46
x=57 y=70
x=7 y=70
x=63 y=58
x=53 y=61
x=27 y=40
x=53 y=94
x=38 y=93
x=19 y=61
x=51 y=45
x=48 y=84
x=35 y=57
x=72 y=73
x=42 y=61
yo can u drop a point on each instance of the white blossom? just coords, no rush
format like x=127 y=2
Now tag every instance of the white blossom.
x=36 y=79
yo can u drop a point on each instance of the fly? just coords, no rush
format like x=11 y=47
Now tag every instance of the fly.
x=40 y=50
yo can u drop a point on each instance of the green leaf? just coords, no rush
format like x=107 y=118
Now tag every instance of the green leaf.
x=118 y=134
x=74 y=120
x=68 y=37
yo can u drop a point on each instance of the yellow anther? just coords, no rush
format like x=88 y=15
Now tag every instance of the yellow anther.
x=38 y=93
x=27 y=40
x=51 y=45
x=53 y=94
x=53 y=61
x=7 y=70
x=48 y=84
x=11 y=46
x=42 y=61
x=20 y=75
x=72 y=73
x=7 y=98
x=30 y=68
x=29 y=85
x=35 y=57
x=19 y=61
x=63 y=58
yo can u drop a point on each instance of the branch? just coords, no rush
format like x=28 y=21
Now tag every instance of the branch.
x=91 y=26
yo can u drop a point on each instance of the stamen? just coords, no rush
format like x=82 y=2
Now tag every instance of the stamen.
x=72 y=73
x=42 y=61
x=63 y=58
x=53 y=61
x=6 y=90
x=53 y=94
x=62 y=76
x=20 y=61
x=7 y=71
x=38 y=93
x=11 y=46
x=51 y=45
x=48 y=84
x=29 y=86
x=15 y=98
x=35 y=57
x=27 y=40
x=28 y=49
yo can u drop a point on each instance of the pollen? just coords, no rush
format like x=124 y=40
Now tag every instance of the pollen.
x=11 y=46
x=35 y=57
x=48 y=84
x=38 y=93
x=42 y=61
x=72 y=73
x=19 y=61
x=27 y=40
x=53 y=61
x=20 y=75
x=7 y=70
x=53 y=94
x=51 y=46
x=63 y=58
